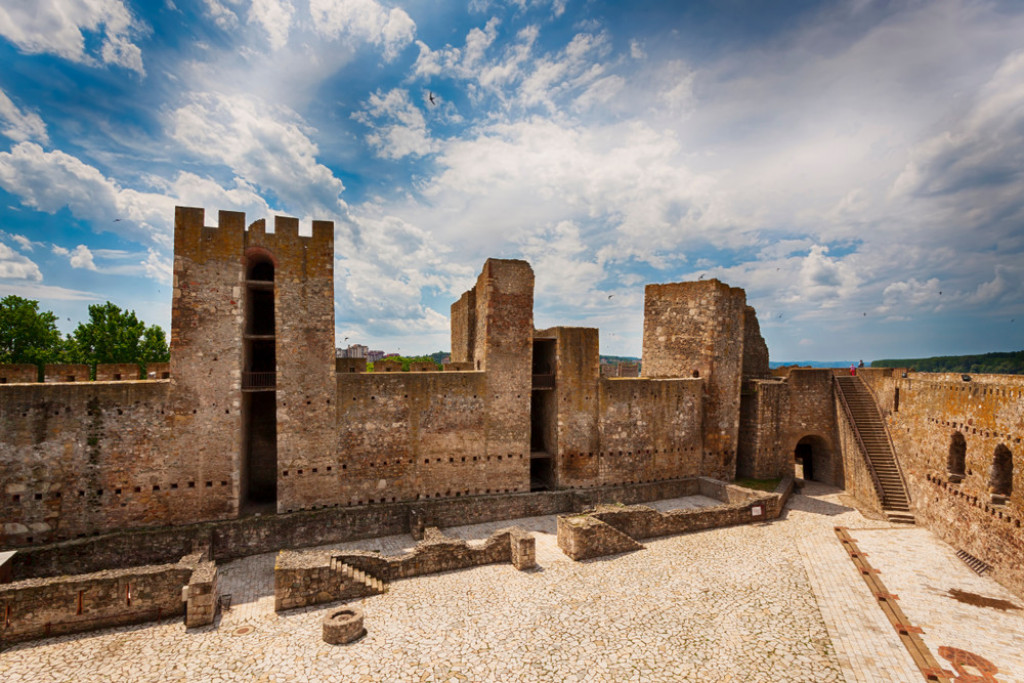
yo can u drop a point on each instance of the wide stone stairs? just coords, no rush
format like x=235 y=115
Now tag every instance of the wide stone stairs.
x=870 y=429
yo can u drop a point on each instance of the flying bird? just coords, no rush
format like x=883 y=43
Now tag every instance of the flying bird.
x=432 y=98
x=610 y=296
x=117 y=220
x=701 y=276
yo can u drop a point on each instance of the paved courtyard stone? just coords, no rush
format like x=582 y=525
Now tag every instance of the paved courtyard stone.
x=776 y=601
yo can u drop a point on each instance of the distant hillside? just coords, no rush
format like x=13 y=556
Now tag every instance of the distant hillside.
x=619 y=359
x=814 y=363
x=999 y=363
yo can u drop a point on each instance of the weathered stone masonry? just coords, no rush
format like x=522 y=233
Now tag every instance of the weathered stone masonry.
x=254 y=414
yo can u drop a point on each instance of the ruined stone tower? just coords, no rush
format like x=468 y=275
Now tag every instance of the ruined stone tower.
x=696 y=329
x=252 y=352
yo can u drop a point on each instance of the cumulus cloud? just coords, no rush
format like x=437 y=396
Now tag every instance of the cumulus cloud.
x=50 y=181
x=275 y=16
x=382 y=279
x=81 y=257
x=21 y=125
x=399 y=128
x=265 y=145
x=59 y=27
x=15 y=266
x=367 y=20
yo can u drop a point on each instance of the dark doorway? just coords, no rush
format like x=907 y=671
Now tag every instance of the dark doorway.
x=259 y=384
x=805 y=459
x=543 y=431
x=540 y=473
x=813 y=455
x=261 y=460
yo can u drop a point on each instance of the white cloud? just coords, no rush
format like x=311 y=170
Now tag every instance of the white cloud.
x=158 y=267
x=275 y=16
x=265 y=145
x=48 y=292
x=911 y=296
x=15 y=266
x=25 y=243
x=365 y=20
x=382 y=278
x=59 y=250
x=21 y=125
x=403 y=131
x=221 y=15
x=81 y=257
x=57 y=26
x=50 y=181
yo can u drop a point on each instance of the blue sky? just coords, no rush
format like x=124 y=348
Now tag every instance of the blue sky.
x=855 y=166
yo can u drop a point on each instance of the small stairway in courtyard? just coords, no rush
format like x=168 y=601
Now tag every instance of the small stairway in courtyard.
x=869 y=428
x=373 y=585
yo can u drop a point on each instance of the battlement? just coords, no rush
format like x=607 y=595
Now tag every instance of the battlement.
x=228 y=239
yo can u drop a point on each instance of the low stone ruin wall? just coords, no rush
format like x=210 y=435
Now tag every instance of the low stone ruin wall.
x=37 y=608
x=312 y=577
x=231 y=539
x=612 y=529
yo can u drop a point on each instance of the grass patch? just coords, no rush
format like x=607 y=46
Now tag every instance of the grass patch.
x=758 y=484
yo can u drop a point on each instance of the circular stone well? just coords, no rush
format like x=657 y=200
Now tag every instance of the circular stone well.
x=343 y=625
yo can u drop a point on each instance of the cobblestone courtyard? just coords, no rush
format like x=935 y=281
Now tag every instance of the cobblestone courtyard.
x=779 y=601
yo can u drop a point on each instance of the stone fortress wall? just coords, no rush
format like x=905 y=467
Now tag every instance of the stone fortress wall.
x=254 y=414
x=924 y=413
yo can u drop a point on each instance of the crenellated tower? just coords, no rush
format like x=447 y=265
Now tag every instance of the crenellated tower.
x=252 y=353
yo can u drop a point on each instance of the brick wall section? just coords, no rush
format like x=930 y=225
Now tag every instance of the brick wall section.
x=699 y=326
x=583 y=537
x=464 y=329
x=207 y=314
x=201 y=605
x=576 y=400
x=306 y=386
x=408 y=436
x=80 y=458
x=649 y=430
x=314 y=577
x=69 y=604
x=755 y=350
x=504 y=343
x=311 y=578
x=231 y=539
x=116 y=372
x=609 y=529
x=347 y=365
x=18 y=372
x=66 y=373
x=812 y=412
x=988 y=411
x=157 y=371
x=764 y=408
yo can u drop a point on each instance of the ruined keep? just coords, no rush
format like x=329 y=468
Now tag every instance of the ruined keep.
x=255 y=415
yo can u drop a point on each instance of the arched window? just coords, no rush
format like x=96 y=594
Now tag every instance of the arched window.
x=956 y=461
x=1000 y=475
x=261 y=270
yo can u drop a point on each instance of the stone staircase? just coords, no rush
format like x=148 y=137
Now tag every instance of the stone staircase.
x=359 y=576
x=867 y=423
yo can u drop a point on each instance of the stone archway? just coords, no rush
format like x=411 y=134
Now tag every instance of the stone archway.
x=813 y=459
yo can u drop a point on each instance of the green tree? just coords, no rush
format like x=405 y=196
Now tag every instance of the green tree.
x=113 y=335
x=28 y=335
